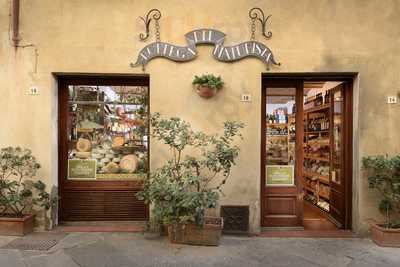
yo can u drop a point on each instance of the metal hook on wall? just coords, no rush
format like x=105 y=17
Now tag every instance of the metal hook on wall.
x=256 y=13
x=152 y=14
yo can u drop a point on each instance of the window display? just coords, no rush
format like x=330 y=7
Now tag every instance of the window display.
x=108 y=125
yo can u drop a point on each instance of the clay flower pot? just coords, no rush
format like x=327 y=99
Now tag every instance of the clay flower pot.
x=205 y=91
x=17 y=226
x=385 y=237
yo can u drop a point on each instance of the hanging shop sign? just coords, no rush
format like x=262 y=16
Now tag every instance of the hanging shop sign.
x=279 y=175
x=214 y=37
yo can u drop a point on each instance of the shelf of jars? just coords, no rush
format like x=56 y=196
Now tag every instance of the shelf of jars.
x=277 y=140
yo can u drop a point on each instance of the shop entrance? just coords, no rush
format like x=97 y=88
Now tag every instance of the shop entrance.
x=306 y=152
x=103 y=147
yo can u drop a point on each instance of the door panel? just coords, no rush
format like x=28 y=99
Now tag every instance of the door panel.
x=337 y=178
x=282 y=137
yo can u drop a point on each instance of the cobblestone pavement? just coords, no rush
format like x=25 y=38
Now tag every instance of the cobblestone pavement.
x=131 y=249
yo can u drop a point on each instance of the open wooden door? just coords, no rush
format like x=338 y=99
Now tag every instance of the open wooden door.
x=337 y=209
x=281 y=154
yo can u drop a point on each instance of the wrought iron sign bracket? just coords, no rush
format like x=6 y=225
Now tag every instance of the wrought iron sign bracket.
x=256 y=13
x=152 y=14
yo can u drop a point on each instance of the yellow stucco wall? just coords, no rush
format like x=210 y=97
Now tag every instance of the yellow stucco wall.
x=101 y=36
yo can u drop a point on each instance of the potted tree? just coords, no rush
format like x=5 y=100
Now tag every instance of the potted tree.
x=384 y=176
x=190 y=182
x=18 y=194
x=207 y=85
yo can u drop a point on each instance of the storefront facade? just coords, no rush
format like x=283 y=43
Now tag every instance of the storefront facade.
x=63 y=38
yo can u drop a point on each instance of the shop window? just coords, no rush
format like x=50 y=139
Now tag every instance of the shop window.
x=107 y=132
x=280 y=136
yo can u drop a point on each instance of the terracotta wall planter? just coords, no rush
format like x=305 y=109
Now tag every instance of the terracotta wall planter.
x=17 y=226
x=385 y=237
x=206 y=91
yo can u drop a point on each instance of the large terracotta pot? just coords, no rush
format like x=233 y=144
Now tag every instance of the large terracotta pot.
x=207 y=235
x=17 y=226
x=385 y=237
x=205 y=91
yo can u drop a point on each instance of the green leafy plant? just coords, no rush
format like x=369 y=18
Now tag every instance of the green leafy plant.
x=208 y=80
x=17 y=194
x=191 y=180
x=384 y=176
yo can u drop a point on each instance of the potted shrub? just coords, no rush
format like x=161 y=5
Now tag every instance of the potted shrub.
x=207 y=85
x=190 y=182
x=384 y=176
x=18 y=194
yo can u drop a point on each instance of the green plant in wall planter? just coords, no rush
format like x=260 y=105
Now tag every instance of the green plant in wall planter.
x=384 y=177
x=191 y=180
x=207 y=85
x=18 y=194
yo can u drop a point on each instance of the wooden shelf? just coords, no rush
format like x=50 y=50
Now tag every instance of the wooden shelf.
x=318 y=108
x=322 y=178
x=316 y=158
x=317 y=132
x=276 y=124
x=277 y=135
x=309 y=189
x=324 y=196
x=277 y=159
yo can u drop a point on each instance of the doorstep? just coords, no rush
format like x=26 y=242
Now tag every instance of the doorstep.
x=309 y=234
x=101 y=226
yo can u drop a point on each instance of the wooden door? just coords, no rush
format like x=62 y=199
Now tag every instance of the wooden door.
x=110 y=194
x=337 y=209
x=282 y=154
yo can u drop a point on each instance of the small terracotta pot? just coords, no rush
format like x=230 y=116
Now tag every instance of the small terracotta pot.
x=206 y=91
x=385 y=237
x=17 y=226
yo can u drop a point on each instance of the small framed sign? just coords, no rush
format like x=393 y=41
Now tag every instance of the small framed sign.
x=279 y=175
x=82 y=169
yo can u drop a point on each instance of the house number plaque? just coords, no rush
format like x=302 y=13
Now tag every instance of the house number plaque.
x=205 y=36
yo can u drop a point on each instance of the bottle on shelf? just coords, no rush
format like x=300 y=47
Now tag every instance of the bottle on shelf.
x=327 y=97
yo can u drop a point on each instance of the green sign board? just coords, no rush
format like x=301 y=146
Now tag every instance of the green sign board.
x=279 y=175
x=81 y=169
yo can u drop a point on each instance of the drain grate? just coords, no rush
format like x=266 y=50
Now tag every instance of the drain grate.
x=36 y=241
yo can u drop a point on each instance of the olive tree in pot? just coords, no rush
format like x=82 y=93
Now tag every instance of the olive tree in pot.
x=207 y=85
x=18 y=194
x=384 y=176
x=190 y=182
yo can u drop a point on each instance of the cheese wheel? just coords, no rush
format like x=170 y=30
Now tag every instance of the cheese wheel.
x=129 y=163
x=83 y=145
x=118 y=141
x=111 y=167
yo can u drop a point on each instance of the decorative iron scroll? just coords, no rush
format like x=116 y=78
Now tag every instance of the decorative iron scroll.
x=205 y=36
x=153 y=14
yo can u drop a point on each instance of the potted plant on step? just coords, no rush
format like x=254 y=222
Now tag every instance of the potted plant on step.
x=384 y=176
x=207 y=85
x=189 y=183
x=18 y=194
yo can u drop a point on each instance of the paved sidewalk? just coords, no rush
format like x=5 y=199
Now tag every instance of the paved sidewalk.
x=131 y=249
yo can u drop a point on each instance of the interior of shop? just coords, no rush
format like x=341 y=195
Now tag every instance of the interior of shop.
x=321 y=150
